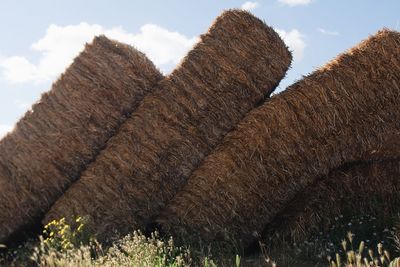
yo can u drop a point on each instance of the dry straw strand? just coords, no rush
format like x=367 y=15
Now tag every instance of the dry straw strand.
x=364 y=187
x=341 y=113
x=235 y=65
x=66 y=129
x=358 y=188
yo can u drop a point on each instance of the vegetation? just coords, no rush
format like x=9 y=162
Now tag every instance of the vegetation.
x=68 y=245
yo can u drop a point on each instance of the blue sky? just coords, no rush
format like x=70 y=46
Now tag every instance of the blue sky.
x=40 y=38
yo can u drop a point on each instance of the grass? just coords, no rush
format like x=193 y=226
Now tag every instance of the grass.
x=369 y=244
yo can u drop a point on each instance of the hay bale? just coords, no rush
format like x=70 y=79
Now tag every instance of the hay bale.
x=360 y=188
x=366 y=187
x=66 y=129
x=341 y=113
x=236 y=64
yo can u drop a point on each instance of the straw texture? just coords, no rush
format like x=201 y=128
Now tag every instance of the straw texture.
x=360 y=188
x=236 y=64
x=341 y=113
x=66 y=129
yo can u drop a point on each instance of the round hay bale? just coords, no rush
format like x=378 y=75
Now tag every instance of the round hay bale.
x=354 y=189
x=235 y=65
x=66 y=129
x=339 y=114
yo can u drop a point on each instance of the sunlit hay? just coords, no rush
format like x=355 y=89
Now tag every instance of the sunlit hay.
x=67 y=128
x=339 y=114
x=236 y=64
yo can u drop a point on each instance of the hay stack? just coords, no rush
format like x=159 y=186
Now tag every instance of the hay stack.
x=360 y=188
x=236 y=64
x=341 y=113
x=66 y=129
x=365 y=187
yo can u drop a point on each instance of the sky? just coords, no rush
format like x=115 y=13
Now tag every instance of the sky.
x=40 y=38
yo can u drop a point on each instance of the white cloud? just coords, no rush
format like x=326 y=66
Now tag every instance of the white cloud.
x=19 y=69
x=295 y=2
x=249 y=5
x=326 y=32
x=4 y=129
x=62 y=43
x=295 y=41
x=161 y=46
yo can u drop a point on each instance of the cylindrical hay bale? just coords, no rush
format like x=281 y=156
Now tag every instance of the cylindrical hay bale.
x=236 y=64
x=341 y=113
x=359 y=188
x=66 y=129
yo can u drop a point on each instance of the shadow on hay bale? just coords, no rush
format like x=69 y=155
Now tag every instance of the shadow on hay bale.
x=66 y=129
x=341 y=113
x=236 y=64
x=358 y=188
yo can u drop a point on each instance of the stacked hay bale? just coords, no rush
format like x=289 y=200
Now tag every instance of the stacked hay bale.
x=236 y=64
x=66 y=129
x=365 y=187
x=340 y=114
x=360 y=188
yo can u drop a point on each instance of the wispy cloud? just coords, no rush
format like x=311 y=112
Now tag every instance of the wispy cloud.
x=326 y=32
x=61 y=44
x=4 y=129
x=294 y=39
x=21 y=104
x=295 y=2
x=250 y=5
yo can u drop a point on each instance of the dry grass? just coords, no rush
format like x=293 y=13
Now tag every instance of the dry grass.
x=340 y=114
x=362 y=188
x=65 y=245
x=236 y=64
x=67 y=128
